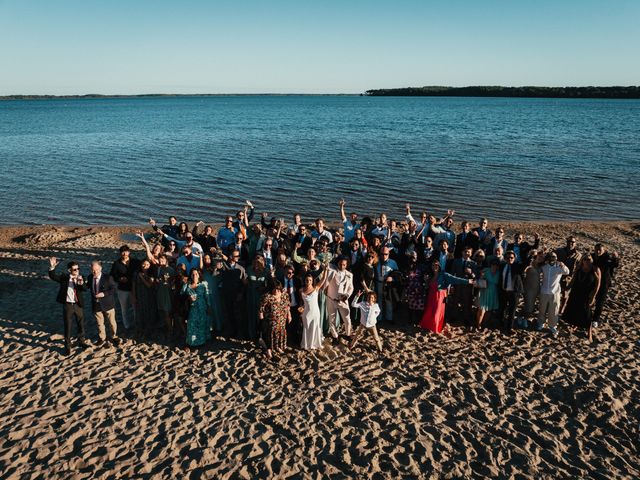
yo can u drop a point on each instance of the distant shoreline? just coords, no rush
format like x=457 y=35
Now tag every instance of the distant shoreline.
x=618 y=92
x=171 y=95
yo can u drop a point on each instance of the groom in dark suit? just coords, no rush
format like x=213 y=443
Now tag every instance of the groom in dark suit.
x=103 y=302
x=71 y=286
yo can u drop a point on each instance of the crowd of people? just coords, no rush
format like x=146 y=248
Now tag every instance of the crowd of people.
x=284 y=285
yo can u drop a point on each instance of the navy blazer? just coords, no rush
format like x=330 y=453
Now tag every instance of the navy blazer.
x=106 y=285
x=63 y=281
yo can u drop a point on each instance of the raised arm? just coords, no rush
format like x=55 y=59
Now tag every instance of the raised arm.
x=140 y=235
x=355 y=303
x=53 y=263
x=408 y=216
x=249 y=210
x=323 y=279
x=342 y=214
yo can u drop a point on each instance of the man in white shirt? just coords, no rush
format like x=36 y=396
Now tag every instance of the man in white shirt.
x=339 y=289
x=383 y=279
x=549 y=305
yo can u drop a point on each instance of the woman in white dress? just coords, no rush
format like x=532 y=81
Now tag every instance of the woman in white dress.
x=310 y=313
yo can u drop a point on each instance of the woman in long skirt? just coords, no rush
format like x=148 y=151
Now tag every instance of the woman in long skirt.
x=584 y=288
x=197 y=292
x=274 y=315
x=433 y=317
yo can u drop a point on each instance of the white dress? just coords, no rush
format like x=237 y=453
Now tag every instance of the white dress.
x=311 y=324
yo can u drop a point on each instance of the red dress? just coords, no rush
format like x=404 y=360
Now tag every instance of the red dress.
x=433 y=316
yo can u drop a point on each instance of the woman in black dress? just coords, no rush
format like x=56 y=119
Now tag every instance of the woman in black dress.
x=584 y=287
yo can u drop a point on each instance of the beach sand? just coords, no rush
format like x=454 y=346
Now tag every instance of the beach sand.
x=457 y=406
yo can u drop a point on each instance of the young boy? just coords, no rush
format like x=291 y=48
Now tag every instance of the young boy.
x=369 y=311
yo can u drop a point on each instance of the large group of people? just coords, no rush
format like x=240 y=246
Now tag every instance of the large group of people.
x=292 y=285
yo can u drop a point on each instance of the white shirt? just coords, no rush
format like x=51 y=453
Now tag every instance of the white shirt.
x=551 y=275
x=325 y=233
x=369 y=313
x=509 y=281
x=71 y=291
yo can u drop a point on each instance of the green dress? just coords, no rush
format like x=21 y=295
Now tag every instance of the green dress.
x=165 y=275
x=322 y=301
x=198 y=330
x=489 y=299
x=256 y=287
x=216 y=317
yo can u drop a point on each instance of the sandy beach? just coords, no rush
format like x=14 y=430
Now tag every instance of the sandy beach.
x=456 y=406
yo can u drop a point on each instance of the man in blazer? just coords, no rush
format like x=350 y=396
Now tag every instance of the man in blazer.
x=103 y=302
x=510 y=287
x=461 y=299
x=339 y=288
x=71 y=286
x=465 y=239
x=292 y=286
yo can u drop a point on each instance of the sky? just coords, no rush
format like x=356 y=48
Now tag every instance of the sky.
x=323 y=46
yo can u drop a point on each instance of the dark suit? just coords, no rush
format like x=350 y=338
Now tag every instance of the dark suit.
x=509 y=298
x=106 y=285
x=465 y=240
x=294 y=329
x=70 y=310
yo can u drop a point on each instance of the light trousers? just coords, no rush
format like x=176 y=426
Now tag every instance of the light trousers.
x=110 y=317
x=333 y=309
x=373 y=331
x=124 y=298
x=548 y=309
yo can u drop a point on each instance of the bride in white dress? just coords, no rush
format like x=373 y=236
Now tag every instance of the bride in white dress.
x=310 y=314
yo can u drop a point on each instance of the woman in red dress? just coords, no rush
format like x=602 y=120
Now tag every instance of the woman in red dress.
x=433 y=316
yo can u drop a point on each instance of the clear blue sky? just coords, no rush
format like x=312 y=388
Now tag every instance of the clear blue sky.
x=322 y=46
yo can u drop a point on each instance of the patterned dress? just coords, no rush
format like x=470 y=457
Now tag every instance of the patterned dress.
x=274 y=324
x=415 y=292
x=198 y=330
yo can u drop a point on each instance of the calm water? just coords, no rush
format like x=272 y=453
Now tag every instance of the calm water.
x=119 y=161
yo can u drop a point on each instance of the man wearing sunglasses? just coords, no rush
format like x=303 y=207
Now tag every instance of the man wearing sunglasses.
x=71 y=286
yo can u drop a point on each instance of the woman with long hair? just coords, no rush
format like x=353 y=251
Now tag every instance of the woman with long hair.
x=312 y=336
x=582 y=296
x=196 y=291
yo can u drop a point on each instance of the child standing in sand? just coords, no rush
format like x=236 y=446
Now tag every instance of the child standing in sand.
x=369 y=312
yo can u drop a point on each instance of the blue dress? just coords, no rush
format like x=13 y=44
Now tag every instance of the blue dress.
x=198 y=330
x=216 y=316
x=489 y=299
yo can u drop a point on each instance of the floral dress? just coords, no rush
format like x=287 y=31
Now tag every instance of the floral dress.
x=414 y=292
x=198 y=331
x=274 y=323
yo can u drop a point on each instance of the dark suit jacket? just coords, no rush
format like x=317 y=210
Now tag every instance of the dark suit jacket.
x=106 y=285
x=516 y=273
x=457 y=268
x=469 y=241
x=63 y=280
x=525 y=248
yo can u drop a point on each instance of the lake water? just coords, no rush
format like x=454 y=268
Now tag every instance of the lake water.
x=119 y=161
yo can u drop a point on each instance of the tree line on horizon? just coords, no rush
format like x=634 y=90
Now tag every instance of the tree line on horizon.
x=497 y=91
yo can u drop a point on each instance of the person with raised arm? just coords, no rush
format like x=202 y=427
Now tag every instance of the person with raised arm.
x=153 y=253
x=570 y=256
x=312 y=335
x=443 y=231
x=522 y=248
x=184 y=238
x=422 y=226
x=206 y=239
x=369 y=311
x=437 y=287
x=350 y=224
x=170 y=229
x=71 y=285
x=243 y=218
